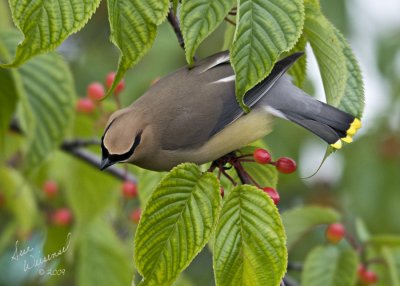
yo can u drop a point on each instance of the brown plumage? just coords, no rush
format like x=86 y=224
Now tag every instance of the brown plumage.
x=192 y=115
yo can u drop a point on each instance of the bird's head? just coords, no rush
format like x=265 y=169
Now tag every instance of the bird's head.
x=122 y=138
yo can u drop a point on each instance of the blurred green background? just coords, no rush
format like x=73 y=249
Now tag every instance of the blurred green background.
x=361 y=181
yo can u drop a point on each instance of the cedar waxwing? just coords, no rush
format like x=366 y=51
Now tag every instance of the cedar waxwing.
x=192 y=115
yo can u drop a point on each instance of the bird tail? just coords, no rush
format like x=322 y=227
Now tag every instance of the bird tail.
x=327 y=122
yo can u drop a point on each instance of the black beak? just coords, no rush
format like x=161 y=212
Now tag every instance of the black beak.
x=105 y=163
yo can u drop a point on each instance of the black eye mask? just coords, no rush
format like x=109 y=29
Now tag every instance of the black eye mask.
x=119 y=157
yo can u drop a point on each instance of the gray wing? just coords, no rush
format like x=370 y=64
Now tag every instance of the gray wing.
x=205 y=102
x=232 y=111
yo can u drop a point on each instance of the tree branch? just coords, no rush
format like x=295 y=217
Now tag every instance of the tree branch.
x=242 y=177
x=74 y=148
x=173 y=20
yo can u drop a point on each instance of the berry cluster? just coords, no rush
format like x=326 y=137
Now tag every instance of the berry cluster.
x=62 y=216
x=365 y=276
x=58 y=216
x=130 y=191
x=96 y=92
x=284 y=165
x=334 y=234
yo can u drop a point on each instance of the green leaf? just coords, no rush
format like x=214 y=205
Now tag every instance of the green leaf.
x=384 y=240
x=353 y=100
x=48 y=104
x=265 y=29
x=228 y=36
x=330 y=266
x=50 y=89
x=102 y=258
x=299 y=70
x=19 y=199
x=199 y=18
x=362 y=232
x=9 y=92
x=392 y=268
x=8 y=103
x=133 y=25
x=301 y=220
x=86 y=201
x=328 y=52
x=47 y=23
x=175 y=5
x=147 y=182
x=249 y=247
x=313 y=4
x=5 y=17
x=176 y=224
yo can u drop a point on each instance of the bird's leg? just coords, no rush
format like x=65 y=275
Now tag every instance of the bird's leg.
x=244 y=176
x=228 y=176
x=233 y=160
x=221 y=164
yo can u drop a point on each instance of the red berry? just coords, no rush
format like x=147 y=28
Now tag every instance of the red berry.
x=135 y=215
x=335 y=232
x=129 y=189
x=61 y=217
x=222 y=191
x=50 y=188
x=262 y=156
x=366 y=276
x=286 y=165
x=95 y=91
x=274 y=195
x=85 y=105
x=109 y=81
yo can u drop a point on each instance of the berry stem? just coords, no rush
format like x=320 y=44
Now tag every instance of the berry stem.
x=245 y=156
x=374 y=261
x=228 y=176
x=352 y=241
x=247 y=160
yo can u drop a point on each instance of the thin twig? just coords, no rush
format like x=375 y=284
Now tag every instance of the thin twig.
x=95 y=161
x=230 y=21
x=173 y=20
x=79 y=143
x=242 y=176
x=228 y=176
x=74 y=148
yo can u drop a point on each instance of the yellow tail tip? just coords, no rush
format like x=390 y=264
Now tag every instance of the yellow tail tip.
x=354 y=126
x=357 y=123
x=337 y=145
x=347 y=139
